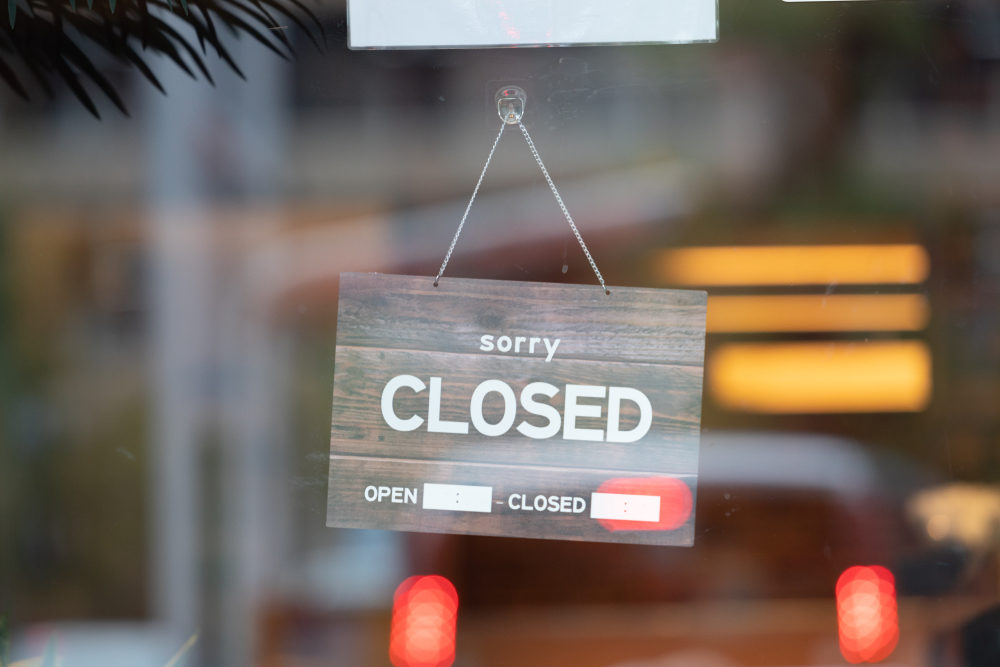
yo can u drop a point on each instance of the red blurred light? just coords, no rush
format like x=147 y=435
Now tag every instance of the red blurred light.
x=424 y=616
x=676 y=501
x=867 y=619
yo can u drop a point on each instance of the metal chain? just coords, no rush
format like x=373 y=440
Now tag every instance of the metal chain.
x=569 y=218
x=555 y=192
x=468 y=208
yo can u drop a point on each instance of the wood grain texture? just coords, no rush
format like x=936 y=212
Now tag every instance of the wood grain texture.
x=631 y=325
x=358 y=426
x=646 y=339
x=348 y=508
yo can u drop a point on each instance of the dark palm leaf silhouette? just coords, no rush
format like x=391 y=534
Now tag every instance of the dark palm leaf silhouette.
x=50 y=40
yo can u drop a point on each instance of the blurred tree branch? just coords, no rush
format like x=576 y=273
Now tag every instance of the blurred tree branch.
x=49 y=40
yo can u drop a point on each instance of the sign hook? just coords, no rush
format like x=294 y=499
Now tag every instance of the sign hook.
x=511 y=101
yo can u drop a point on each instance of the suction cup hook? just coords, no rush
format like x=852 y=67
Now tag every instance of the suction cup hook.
x=510 y=104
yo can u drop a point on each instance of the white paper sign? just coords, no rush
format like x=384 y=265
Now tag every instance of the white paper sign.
x=424 y=24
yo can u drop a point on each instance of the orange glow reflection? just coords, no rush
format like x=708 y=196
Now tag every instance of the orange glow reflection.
x=897 y=264
x=779 y=378
x=424 y=616
x=867 y=620
x=840 y=312
x=676 y=502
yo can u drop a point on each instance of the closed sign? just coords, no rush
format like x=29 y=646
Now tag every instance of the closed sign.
x=516 y=409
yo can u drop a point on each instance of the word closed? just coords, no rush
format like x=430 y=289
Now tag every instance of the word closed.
x=554 y=422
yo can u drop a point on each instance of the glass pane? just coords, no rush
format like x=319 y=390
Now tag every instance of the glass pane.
x=169 y=281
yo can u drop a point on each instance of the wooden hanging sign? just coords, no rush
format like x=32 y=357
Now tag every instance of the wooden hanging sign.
x=516 y=409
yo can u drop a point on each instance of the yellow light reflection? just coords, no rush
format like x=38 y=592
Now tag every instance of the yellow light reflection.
x=842 y=312
x=967 y=513
x=781 y=378
x=901 y=264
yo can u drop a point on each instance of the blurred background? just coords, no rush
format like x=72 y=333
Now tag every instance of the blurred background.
x=829 y=172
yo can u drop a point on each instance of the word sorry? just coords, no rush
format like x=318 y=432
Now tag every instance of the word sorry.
x=513 y=344
x=555 y=422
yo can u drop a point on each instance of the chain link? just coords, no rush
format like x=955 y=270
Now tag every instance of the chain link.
x=468 y=208
x=555 y=192
x=562 y=206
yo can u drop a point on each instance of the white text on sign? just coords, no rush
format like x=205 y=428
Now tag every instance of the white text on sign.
x=392 y=494
x=573 y=409
x=540 y=503
x=513 y=344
